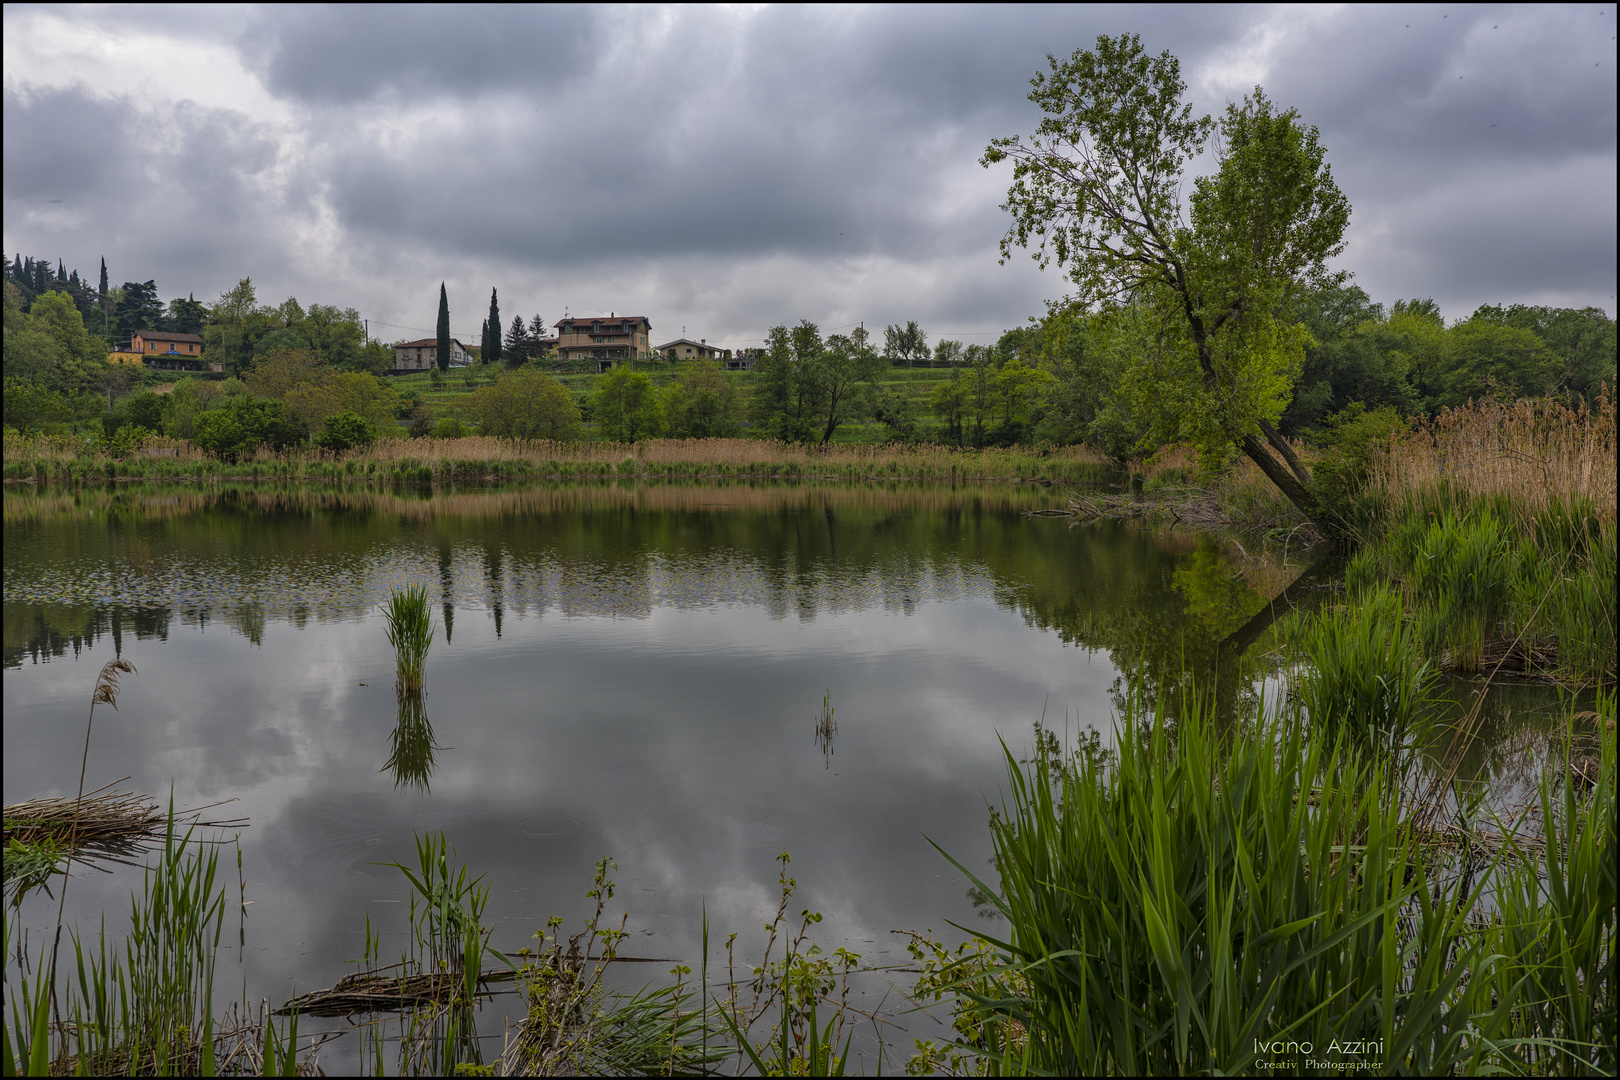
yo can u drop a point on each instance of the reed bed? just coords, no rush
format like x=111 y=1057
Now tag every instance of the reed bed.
x=1232 y=902
x=486 y=459
x=1537 y=453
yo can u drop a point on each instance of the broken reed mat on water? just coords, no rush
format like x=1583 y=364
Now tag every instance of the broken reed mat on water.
x=103 y=823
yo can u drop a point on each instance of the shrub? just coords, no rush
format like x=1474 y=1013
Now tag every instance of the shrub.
x=526 y=404
x=345 y=431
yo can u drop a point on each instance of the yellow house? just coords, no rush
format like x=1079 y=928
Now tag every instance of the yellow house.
x=617 y=337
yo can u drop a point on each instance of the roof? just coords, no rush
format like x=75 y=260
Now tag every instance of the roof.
x=164 y=335
x=603 y=319
x=689 y=341
x=425 y=343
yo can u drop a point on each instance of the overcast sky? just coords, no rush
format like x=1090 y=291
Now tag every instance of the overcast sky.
x=724 y=170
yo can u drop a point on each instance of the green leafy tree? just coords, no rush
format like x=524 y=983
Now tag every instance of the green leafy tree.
x=948 y=401
x=345 y=431
x=235 y=325
x=773 y=376
x=338 y=334
x=492 y=331
x=1097 y=190
x=50 y=345
x=906 y=342
x=443 y=340
x=526 y=404
x=243 y=426
x=978 y=387
x=624 y=406
x=375 y=358
x=701 y=403
x=1481 y=359
x=29 y=406
x=897 y=412
x=842 y=373
x=275 y=373
x=1356 y=354
x=1583 y=339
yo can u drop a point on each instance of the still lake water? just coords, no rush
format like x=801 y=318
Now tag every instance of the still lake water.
x=622 y=671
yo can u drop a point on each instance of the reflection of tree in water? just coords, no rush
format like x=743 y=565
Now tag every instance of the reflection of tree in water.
x=41 y=632
x=412 y=751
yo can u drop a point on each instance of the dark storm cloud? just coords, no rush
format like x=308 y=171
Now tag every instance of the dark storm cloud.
x=342 y=54
x=708 y=165
x=773 y=133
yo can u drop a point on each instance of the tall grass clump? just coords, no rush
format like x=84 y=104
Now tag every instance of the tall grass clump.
x=1557 y=919
x=143 y=1009
x=1364 y=671
x=410 y=632
x=1201 y=907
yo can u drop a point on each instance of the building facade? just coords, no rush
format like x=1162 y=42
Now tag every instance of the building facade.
x=164 y=351
x=617 y=337
x=423 y=353
x=687 y=349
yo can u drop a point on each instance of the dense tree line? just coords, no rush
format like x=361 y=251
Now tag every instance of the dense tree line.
x=1090 y=373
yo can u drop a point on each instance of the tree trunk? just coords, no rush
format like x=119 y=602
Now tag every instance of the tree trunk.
x=1296 y=490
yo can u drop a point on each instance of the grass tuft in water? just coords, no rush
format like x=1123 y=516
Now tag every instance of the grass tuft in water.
x=410 y=632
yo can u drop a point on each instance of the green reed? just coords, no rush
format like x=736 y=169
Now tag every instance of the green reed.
x=410 y=632
x=1199 y=902
x=1490 y=583
x=144 y=1008
x=1558 y=919
x=1365 y=671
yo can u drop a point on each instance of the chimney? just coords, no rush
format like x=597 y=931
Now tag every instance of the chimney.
x=703 y=341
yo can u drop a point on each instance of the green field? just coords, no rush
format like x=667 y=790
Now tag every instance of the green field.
x=445 y=400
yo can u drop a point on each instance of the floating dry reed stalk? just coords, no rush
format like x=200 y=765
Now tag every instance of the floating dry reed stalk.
x=105 y=823
x=374 y=992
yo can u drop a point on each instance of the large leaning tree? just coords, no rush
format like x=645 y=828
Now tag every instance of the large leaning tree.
x=1097 y=190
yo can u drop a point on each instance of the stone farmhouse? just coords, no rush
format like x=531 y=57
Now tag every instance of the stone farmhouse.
x=423 y=353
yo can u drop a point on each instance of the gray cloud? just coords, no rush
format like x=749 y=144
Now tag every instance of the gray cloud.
x=725 y=170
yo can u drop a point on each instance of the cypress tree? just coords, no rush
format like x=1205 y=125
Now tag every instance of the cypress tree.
x=493 y=353
x=103 y=278
x=444 y=329
x=483 y=342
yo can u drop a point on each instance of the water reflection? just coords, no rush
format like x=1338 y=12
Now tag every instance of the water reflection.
x=826 y=728
x=411 y=755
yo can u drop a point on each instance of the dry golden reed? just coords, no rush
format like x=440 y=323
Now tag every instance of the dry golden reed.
x=1534 y=452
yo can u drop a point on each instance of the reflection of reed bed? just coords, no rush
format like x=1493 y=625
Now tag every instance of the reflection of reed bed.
x=42 y=505
x=412 y=751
